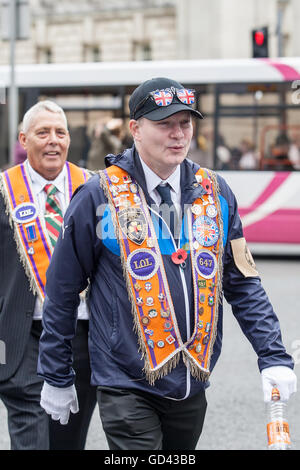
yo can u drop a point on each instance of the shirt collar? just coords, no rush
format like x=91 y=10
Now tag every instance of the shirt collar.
x=153 y=180
x=40 y=182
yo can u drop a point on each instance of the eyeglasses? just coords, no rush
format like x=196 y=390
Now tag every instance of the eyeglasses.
x=165 y=97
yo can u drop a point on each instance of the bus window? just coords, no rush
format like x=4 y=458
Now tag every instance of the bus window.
x=280 y=148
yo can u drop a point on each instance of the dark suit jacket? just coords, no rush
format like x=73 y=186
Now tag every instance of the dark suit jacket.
x=16 y=300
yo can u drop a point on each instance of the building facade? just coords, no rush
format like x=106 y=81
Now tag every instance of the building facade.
x=96 y=30
x=71 y=31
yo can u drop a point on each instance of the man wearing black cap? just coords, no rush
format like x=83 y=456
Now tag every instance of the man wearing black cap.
x=158 y=241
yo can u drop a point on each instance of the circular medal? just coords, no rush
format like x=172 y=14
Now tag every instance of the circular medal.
x=211 y=211
x=133 y=188
x=206 y=264
x=205 y=230
x=196 y=209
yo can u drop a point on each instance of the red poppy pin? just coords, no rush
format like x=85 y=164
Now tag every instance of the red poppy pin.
x=179 y=256
x=206 y=184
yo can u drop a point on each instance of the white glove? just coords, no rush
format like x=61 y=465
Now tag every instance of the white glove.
x=281 y=377
x=58 y=402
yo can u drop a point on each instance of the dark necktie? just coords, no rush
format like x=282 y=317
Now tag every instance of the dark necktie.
x=167 y=209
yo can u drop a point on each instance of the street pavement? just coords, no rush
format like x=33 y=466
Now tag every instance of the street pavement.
x=236 y=415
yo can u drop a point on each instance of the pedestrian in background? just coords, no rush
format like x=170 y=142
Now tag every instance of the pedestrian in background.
x=106 y=139
x=33 y=198
x=158 y=239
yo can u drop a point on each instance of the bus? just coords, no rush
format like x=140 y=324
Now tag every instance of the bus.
x=250 y=133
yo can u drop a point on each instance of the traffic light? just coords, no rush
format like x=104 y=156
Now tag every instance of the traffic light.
x=260 y=42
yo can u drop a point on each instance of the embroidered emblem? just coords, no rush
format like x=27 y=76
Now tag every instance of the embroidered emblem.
x=25 y=212
x=142 y=264
x=206 y=264
x=133 y=224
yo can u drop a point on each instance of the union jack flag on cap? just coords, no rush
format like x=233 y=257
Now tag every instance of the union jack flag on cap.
x=163 y=97
x=186 y=96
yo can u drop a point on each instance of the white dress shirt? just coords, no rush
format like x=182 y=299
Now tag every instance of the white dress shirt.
x=153 y=180
x=38 y=183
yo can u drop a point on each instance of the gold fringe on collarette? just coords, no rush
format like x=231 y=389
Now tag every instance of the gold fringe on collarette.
x=195 y=369
x=23 y=258
x=165 y=368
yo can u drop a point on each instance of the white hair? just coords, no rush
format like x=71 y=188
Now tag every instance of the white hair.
x=41 y=106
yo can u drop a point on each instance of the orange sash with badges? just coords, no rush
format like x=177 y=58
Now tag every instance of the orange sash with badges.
x=30 y=231
x=152 y=307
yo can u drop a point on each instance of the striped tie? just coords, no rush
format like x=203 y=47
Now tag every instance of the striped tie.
x=53 y=213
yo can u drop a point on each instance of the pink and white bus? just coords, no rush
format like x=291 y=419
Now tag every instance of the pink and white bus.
x=250 y=100
x=269 y=206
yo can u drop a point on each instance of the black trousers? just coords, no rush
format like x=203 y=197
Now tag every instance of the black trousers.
x=133 y=420
x=30 y=428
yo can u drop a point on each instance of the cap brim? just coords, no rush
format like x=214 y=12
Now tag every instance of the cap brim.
x=165 y=111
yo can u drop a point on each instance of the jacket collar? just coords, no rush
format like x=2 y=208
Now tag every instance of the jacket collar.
x=130 y=162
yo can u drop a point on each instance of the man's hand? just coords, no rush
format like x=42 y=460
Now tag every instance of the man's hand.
x=58 y=402
x=280 y=377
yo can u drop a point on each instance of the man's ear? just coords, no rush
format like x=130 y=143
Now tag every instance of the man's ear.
x=22 y=139
x=134 y=127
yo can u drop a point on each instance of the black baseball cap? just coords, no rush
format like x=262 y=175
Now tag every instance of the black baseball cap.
x=140 y=106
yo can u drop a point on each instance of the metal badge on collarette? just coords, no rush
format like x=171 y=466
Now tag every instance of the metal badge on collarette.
x=133 y=224
x=205 y=230
x=25 y=212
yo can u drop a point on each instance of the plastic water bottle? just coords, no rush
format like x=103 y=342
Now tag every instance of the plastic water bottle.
x=278 y=427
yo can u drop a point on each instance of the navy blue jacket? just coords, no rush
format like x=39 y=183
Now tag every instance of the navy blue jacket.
x=87 y=255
